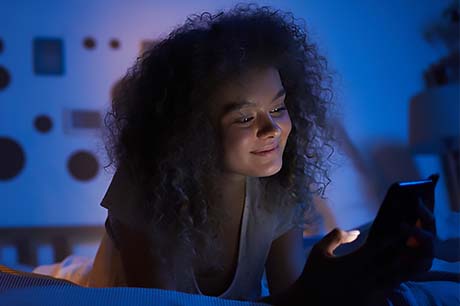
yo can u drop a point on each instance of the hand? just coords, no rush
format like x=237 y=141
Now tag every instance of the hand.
x=328 y=279
x=421 y=242
x=378 y=265
x=402 y=255
x=325 y=279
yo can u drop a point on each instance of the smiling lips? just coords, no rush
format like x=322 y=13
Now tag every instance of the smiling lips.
x=266 y=151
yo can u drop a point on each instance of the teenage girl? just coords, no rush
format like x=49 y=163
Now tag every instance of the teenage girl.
x=220 y=135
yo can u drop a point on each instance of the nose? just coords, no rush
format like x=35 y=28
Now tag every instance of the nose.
x=268 y=128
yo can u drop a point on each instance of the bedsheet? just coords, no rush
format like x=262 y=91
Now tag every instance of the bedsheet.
x=21 y=289
x=25 y=289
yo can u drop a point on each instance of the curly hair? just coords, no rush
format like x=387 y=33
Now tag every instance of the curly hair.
x=161 y=131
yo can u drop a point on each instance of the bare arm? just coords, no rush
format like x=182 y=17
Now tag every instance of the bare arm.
x=285 y=261
x=289 y=274
x=142 y=267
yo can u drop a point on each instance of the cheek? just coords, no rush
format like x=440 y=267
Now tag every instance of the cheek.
x=236 y=141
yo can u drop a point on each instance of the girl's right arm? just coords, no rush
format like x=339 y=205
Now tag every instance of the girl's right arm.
x=142 y=267
x=359 y=277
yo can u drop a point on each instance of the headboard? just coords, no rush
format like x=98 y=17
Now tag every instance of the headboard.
x=27 y=240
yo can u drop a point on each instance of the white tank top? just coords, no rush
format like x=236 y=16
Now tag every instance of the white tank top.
x=259 y=228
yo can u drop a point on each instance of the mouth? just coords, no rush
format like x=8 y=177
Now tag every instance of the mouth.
x=266 y=151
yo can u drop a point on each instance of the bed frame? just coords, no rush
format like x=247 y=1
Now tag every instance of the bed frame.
x=26 y=240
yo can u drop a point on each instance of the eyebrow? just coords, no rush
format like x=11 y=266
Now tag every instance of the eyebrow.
x=234 y=106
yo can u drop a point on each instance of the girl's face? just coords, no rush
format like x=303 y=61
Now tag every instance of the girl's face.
x=253 y=122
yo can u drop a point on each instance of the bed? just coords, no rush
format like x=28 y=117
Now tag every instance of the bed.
x=18 y=286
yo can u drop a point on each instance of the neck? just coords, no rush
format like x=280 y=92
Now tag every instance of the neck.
x=230 y=191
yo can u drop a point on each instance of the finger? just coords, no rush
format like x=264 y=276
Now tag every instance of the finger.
x=426 y=216
x=351 y=236
x=418 y=238
x=391 y=249
x=335 y=238
x=411 y=241
x=399 y=262
x=330 y=242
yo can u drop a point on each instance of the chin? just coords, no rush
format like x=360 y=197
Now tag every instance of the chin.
x=269 y=171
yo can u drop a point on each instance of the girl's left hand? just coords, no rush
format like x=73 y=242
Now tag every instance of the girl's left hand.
x=405 y=256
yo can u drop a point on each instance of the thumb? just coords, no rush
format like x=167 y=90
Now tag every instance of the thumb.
x=334 y=239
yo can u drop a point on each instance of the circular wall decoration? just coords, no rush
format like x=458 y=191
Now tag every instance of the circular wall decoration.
x=4 y=78
x=12 y=158
x=89 y=43
x=43 y=123
x=83 y=165
x=114 y=43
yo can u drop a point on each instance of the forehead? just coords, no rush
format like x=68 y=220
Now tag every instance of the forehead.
x=257 y=85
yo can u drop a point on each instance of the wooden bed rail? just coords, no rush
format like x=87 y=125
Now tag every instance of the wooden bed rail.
x=26 y=240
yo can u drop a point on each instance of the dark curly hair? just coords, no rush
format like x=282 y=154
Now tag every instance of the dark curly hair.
x=161 y=131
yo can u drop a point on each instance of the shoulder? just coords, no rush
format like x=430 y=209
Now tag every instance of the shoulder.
x=286 y=219
x=275 y=211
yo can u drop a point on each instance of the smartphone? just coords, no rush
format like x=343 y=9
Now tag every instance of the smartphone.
x=400 y=206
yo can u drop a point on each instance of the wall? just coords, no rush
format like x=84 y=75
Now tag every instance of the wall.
x=375 y=49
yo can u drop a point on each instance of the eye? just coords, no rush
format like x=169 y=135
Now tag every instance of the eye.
x=278 y=109
x=244 y=120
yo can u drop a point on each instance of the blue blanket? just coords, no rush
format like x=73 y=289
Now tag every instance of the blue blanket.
x=25 y=289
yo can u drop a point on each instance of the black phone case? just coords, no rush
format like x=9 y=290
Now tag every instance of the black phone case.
x=400 y=206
